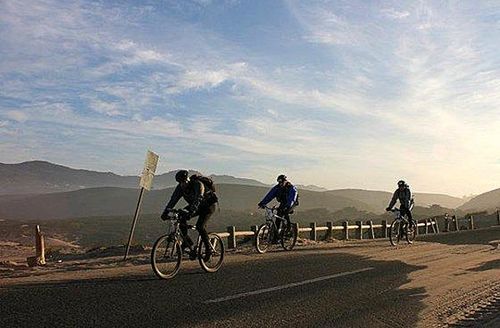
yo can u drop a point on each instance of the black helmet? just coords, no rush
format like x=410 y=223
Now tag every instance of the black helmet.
x=401 y=183
x=181 y=176
x=281 y=178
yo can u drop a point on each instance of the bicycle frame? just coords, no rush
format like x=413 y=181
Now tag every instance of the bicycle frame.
x=270 y=216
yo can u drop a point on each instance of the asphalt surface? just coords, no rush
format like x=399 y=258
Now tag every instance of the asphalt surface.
x=326 y=286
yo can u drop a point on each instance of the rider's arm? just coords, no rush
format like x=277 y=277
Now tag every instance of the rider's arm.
x=174 y=199
x=292 y=196
x=270 y=195
x=393 y=200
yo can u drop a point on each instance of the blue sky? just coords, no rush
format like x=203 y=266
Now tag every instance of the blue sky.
x=334 y=93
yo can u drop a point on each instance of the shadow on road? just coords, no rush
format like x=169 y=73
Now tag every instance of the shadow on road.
x=376 y=297
x=491 y=265
x=465 y=237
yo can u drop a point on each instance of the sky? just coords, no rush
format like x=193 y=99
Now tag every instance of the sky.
x=341 y=94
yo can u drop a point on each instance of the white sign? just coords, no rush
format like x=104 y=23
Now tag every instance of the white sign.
x=149 y=170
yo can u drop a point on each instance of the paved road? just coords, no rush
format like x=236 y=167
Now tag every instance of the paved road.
x=356 y=284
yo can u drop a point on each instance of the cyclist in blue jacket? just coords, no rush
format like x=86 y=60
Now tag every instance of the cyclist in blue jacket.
x=286 y=194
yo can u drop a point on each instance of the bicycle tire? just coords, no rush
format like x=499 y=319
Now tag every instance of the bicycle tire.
x=218 y=247
x=175 y=256
x=263 y=238
x=288 y=236
x=395 y=232
x=411 y=234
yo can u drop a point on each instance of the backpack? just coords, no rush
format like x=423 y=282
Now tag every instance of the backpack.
x=207 y=182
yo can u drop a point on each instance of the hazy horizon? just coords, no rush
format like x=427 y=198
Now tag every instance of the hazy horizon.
x=337 y=94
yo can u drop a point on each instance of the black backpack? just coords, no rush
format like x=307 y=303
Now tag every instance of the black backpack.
x=207 y=182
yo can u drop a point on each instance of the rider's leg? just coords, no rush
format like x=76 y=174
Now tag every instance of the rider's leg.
x=188 y=243
x=407 y=212
x=201 y=224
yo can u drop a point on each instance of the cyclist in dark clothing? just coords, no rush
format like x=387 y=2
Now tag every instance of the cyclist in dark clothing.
x=201 y=202
x=403 y=193
x=286 y=194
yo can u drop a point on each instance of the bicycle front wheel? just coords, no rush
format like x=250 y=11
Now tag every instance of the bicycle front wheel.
x=263 y=238
x=166 y=257
x=288 y=236
x=211 y=262
x=395 y=232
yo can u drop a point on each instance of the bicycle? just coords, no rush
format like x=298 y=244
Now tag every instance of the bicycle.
x=167 y=252
x=400 y=228
x=268 y=230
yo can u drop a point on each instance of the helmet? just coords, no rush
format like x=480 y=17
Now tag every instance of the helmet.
x=181 y=176
x=401 y=183
x=281 y=178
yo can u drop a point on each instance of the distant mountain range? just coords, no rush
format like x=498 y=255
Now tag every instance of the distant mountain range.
x=39 y=177
x=42 y=190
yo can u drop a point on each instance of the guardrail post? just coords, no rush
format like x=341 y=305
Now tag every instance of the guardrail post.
x=384 y=228
x=471 y=222
x=446 y=224
x=313 y=236
x=329 y=232
x=455 y=220
x=436 y=225
x=346 y=230
x=360 y=229
x=433 y=228
x=296 y=226
x=254 y=228
x=231 y=239
x=426 y=227
x=372 y=232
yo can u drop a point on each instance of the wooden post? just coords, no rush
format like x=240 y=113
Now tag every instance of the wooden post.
x=360 y=229
x=436 y=225
x=433 y=227
x=40 y=246
x=329 y=232
x=471 y=222
x=426 y=226
x=455 y=220
x=254 y=228
x=384 y=228
x=446 y=224
x=372 y=232
x=231 y=239
x=346 y=230
x=313 y=235
x=134 y=222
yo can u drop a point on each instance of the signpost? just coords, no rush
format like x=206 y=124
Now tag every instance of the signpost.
x=145 y=183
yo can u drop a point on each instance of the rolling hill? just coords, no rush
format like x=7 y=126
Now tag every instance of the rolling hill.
x=487 y=201
x=112 y=201
x=379 y=200
x=40 y=177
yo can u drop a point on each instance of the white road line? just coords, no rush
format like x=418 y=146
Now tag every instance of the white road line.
x=294 y=284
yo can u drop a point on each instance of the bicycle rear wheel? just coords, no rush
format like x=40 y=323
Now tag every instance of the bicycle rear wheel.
x=166 y=257
x=263 y=238
x=213 y=262
x=411 y=233
x=395 y=232
x=288 y=236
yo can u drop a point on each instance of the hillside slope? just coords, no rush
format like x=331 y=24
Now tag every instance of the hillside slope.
x=110 y=201
x=487 y=201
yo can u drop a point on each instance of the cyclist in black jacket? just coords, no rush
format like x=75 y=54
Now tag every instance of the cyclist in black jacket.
x=403 y=193
x=201 y=202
